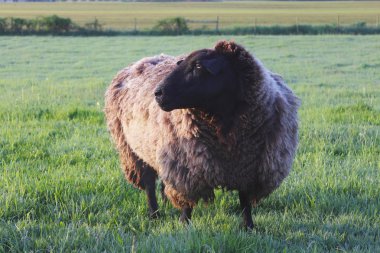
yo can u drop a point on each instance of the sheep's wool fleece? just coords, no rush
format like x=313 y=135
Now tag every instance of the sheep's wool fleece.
x=185 y=147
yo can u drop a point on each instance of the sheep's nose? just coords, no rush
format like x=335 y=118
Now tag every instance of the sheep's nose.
x=158 y=92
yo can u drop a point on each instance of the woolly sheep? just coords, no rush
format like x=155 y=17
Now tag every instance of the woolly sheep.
x=215 y=118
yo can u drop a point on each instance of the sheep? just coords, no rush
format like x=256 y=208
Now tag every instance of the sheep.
x=216 y=118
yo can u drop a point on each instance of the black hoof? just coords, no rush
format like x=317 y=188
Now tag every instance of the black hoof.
x=249 y=227
x=184 y=220
x=186 y=215
x=154 y=215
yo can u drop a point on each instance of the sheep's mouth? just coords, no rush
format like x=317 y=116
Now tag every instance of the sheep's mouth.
x=165 y=106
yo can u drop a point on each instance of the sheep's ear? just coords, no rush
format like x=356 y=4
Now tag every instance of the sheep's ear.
x=214 y=66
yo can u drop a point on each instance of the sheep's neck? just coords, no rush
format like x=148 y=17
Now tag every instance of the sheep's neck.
x=223 y=109
x=217 y=123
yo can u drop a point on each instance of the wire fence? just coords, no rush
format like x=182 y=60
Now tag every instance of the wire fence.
x=219 y=23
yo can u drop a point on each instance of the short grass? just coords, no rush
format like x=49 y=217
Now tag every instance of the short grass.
x=121 y=16
x=61 y=189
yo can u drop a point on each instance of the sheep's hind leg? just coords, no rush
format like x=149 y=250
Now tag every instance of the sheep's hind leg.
x=246 y=207
x=163 y=196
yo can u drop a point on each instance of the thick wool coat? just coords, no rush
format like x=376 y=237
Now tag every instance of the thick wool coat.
x=187 y=148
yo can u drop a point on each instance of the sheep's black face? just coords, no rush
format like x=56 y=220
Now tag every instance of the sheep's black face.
x=204 y=80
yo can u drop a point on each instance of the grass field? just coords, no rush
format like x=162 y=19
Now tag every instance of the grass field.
x=61 y=189
x=121 y=16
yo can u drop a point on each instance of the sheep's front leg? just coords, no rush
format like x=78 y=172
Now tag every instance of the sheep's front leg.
x=186 y=214
x=246 y=207
x=181 y=202
x=152 y=202
x=150 y=190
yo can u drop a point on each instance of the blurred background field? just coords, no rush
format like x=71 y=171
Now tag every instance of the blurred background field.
x=140 y=16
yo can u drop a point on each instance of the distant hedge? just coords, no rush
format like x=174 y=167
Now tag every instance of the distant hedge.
x=55 y=25
x=50 y=24
x=175 y=26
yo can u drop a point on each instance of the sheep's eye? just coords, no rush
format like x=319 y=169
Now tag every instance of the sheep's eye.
x=198 y=66
x=179 y=62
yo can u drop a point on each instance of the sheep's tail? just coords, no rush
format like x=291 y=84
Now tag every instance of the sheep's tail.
x=136 y=171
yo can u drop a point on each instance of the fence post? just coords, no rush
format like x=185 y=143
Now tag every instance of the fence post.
x=297 y=24
x=217 y=24
x=378 y=19
x=337 y=24
x=255 y=25
x=135 y=25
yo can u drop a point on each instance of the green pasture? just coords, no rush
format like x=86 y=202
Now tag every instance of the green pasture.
x=122 y=16
x=61 y=188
